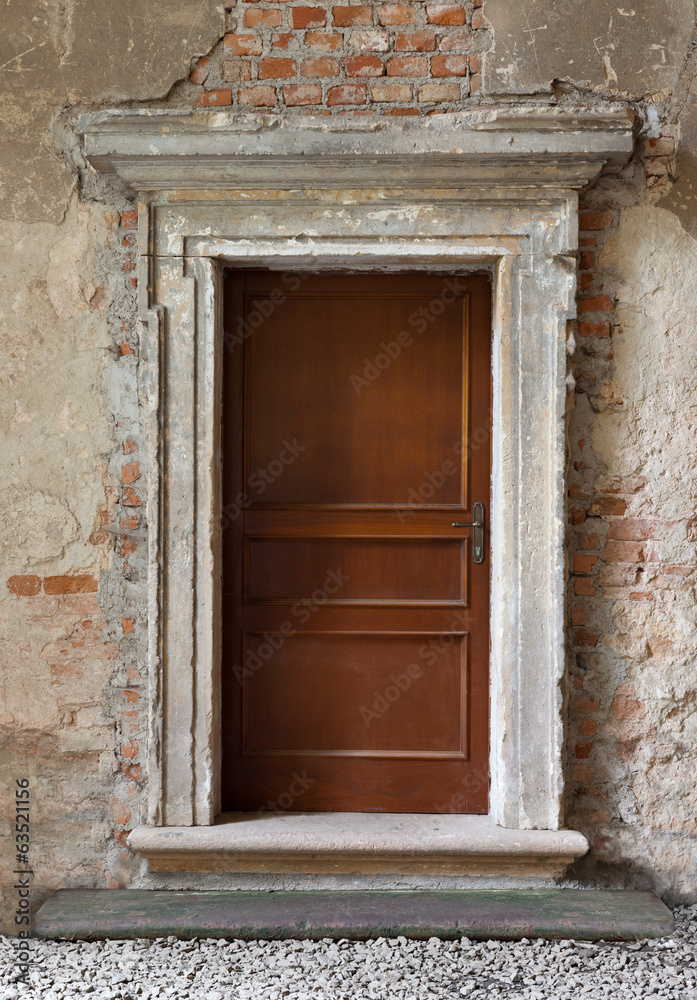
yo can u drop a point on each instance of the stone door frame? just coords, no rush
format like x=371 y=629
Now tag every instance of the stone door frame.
x=493 y=188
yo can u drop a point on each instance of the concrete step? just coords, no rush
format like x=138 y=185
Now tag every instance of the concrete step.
x=585 y=914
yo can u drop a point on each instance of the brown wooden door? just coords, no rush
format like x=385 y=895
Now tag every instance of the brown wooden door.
x=355 y=620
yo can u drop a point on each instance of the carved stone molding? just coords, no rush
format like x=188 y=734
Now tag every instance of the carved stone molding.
x=494 y=188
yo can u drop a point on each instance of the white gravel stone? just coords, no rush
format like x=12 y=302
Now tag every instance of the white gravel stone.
x=210 y=969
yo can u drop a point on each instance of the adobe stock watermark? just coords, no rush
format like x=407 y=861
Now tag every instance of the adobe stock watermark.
x=302 y=611
x=419 y=321
x=429 y=654
x=435 y=480
x=259 y=480
x=263 y=308
x=23 y=872
x=298 y=786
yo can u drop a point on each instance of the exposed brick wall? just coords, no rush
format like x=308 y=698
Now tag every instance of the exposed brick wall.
x=325 y=58
x=632 y=577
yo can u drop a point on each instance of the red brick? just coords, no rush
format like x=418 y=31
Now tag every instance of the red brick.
x=243 y=45
x=130 y=472
x=272 y=69
x=584 y=563
x=629 y=552
x=449 y=66
x=604 y=506
x=214 y=98
x=459 y=41
x=396 y=13
x=583 y=750
x=577 y=515
x=129 y=748
x=440 y=13
x=601 y=303
x=121 y=838
x=587 y=329
x=125 y=349
x=587 y=281
x=475 y=62
x=347 y=93
x=283 y=40
x=641 y=595
x=439 y=92
x=586 y=260
x=24 y=586
x=254 y=17
x=582 y=772
x=129 y=447
x=407 y=66
x=237 y=69
x=585 y=704
x=304 y=93
x=594 y=220
x=415 y=41
x=370 y=40
x=364 y=66
x=127 y=626
x=577 y=616
x=344 y=17
x=591 y=541
x=576 y=492
x=129 y=219
x=131 y=771
x=402 y=111
x=324 y=41
x=257 y=97
x=200 y=70
x=131 y=696
x=130 y=498
x=584 y=586
x=584 y=638
x=81 y=584
x=387 y=92
x=586 y=728
x=309 y=17
x=324 y=66
x=631 y=530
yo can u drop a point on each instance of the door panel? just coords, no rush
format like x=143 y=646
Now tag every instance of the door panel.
x=355 y=622
x=345 y=423
x=408 y=570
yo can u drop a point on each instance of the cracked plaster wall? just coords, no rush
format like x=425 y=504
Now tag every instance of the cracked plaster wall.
x=73 y=636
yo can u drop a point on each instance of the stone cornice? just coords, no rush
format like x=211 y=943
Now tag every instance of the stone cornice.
x=512 y=148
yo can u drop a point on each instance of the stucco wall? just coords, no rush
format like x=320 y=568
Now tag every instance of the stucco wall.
x=72 y=597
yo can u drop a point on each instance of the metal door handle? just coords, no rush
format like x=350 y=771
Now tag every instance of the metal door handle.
x=477 y=534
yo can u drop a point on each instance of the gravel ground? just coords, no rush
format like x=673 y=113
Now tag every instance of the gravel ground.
x=208 y=969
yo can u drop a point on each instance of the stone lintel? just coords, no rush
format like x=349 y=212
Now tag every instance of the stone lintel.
x=513 y=147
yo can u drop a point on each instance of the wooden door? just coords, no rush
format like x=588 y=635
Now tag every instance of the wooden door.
x=355 y=618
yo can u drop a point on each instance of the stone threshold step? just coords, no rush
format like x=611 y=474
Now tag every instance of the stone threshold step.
x=506 y=914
